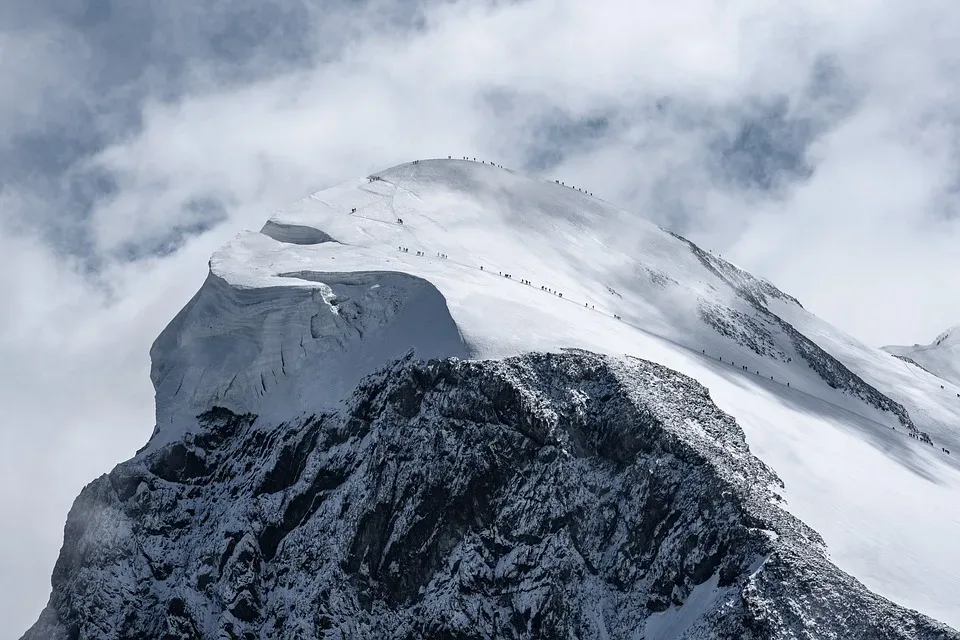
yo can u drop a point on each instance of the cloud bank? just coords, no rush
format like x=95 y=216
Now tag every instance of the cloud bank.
x=813 y=143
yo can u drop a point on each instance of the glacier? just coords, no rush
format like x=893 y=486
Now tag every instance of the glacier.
x=465 y=260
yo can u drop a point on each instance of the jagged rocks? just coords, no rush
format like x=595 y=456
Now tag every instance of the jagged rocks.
x=755 y=333
x=544 y=496
x=740 y=327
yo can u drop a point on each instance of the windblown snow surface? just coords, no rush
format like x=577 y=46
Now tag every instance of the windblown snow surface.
x=488 y=263
x=941 y=357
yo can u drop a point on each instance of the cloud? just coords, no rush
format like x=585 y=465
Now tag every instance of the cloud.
x=814 y=143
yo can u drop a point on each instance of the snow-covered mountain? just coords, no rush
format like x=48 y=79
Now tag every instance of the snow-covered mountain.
x=941 y=357
x=285 y=493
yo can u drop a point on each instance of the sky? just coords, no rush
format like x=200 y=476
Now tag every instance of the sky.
x=814 y=143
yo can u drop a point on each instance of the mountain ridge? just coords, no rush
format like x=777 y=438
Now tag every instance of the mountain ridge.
x=941 y=357
x=467 y=262
x=538 y=496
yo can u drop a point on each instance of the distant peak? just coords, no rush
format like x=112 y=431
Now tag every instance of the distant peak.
x=949 y=337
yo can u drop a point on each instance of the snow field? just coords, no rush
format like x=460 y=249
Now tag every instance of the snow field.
x=883 y=502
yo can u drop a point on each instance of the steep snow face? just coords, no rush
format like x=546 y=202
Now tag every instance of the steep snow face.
x=287 y=349
x=501 y=265
x=941 y=357
x=544 y=496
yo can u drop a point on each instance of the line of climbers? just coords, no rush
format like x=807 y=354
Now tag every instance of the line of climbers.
x=499 y=166
x=742 y=367
x=549 y=290
x=921 y=436
x=423 y=253
x=925 y=437
x=562 y=184
x=491 y=163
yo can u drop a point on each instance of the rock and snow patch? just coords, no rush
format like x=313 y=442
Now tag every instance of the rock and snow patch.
x=677 y=621
x=544 y=496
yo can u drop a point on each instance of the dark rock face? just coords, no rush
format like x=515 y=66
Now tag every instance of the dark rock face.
x=752 y=333
x=544 y=496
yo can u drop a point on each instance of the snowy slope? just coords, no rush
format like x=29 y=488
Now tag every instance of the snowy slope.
x=941 y=357
x=488 y=263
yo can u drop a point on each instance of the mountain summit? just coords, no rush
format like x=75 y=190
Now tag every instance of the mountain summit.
x=941 y=357
x=450 y=400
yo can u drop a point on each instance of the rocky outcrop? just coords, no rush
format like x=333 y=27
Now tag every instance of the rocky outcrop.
x=754 y=333
x=543 y=496
x=745 y=329
x=752 y=288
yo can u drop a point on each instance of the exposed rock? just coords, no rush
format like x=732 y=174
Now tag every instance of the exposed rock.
x=749 y=332
x=543 y=496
